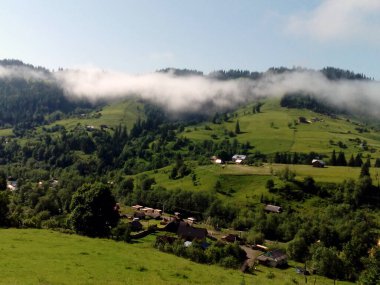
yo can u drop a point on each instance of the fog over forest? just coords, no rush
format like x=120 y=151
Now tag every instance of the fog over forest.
x=191 y=93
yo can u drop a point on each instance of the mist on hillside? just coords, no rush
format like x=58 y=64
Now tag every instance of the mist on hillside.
x=195 y=93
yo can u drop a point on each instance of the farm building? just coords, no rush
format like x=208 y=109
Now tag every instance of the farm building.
x=185 y=231
x=231 y=238
x=137 y=207
x=317 y=163
x=153 y=215
x=239 y=158
x=216 y=160
x=140 y=215
x=12 y=185
x=273 y=209
x=136 y=225
x=191 y=220
x=188 y=232
x=275 y=258
x=147 y=210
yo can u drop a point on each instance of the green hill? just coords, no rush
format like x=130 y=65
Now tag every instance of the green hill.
x=277 y=129
x=47 y=257
x=124 y=112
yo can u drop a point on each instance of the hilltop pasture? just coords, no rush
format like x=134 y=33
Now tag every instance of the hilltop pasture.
x=277 y=129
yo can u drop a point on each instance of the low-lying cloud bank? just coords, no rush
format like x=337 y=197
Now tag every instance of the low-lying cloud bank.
x=194 y=93
x=177 y=94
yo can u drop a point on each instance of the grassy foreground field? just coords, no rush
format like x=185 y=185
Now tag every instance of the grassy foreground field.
x=47 y=257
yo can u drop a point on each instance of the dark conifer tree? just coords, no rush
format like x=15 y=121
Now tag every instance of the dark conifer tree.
x=341 y=159
x=351 y=162
x=277 y=157
x=358 y=160
x=364 y=171
x=368 y=162
x=237 y=127
x=333 y=158
x=295 y=158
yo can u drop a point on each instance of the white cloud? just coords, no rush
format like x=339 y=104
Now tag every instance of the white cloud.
x=177 y=94
x=337 y=20
x=187 y=94
x=194 y=93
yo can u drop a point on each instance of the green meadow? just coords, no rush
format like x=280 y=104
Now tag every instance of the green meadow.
x=125 y=113
x=276 y=129
x=242 y=183
x=6 y=132
x=48 y=257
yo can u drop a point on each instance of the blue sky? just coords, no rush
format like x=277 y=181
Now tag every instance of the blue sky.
x=143 y=36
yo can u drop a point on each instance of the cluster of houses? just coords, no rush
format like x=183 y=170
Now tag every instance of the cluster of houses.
x=184 y=229
x=237 y=159
x=274 y=258
x=12 y=183
x=241 y=158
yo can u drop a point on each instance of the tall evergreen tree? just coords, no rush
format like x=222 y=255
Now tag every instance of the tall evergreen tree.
x=237 y=127
x=358 y=160
x=351 y=162
x=341 y=159
x=368 y=162
x=333 y=158
x=377 y=162
x=364 y=171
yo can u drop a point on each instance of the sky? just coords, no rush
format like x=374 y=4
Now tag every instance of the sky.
x=146 y=35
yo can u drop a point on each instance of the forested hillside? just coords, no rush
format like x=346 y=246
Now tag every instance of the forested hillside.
x=26 y=102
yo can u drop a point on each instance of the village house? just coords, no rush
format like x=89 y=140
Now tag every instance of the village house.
x=273 y=209
x=136 y=225
x=153 y=215
x=274 y=258
x=158 y=211
x=317 y=163
x=231 y=238
x=12 y=185
x=238 y=158
x=216 y=160
x=54 y=183
x=140 y=215
x=187 y=232
x=191 y=220
x=90 y=128
x=303 y=120
x=260 y=247
x=147 y=210
x=137 y=207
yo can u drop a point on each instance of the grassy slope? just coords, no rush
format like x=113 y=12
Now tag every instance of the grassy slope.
x=269 y=132
x=6 y=132
x=124 y=113
x=47 y=257
x=248 y=182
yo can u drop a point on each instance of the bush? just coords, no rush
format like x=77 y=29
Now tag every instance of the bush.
x=122 y=232
x=230 y=262
x=270 y=275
